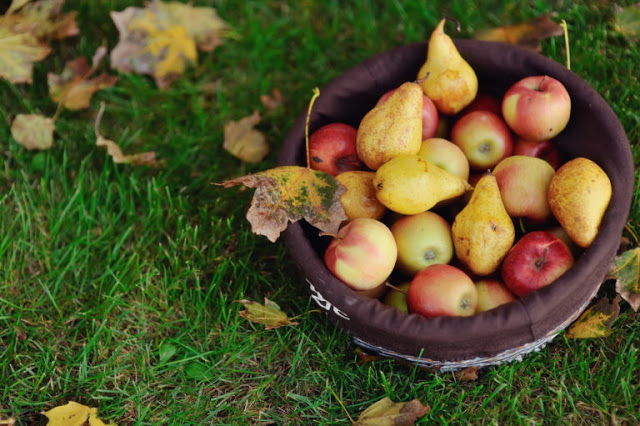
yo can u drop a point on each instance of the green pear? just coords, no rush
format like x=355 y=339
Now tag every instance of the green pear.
x=392 y=127
x=408 y=184
x=483 y=232
x=446 y=78
x=579 y=194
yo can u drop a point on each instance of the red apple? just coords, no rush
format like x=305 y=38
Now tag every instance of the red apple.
x=363 y=254
x=537 y=108
x=442 y=290
x=332 y=149
x=547 y=150
x=485 y=101
x=535 y=261
x=430 y=117
x=484 y=138
x=491 y=294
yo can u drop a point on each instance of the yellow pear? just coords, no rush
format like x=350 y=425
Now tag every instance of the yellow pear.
x=483 y=232
x=360 y=198
x=392 y=127
x=579 y=194
x=408 y=184
x=450 y=81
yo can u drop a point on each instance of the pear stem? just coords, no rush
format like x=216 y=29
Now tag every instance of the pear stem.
x=451 y=18
x=316 y=93
x=566 y=43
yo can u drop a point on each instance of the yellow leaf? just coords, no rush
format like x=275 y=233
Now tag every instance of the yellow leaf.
x=526 y=34
x=43 y=19
x=245 y=142
x=33 y=131
x=15 y=5
x=596 y=321
x=18 y=52
x=288 y=193
x=74 y=414
x=268 y=314
x=626 y=271
x=386 y=412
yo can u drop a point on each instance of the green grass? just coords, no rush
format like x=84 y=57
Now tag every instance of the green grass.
x=118 y=284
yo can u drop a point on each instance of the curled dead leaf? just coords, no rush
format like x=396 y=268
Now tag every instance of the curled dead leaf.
x=243 y=141
x=626 y=272
x=18 y=52
x=387 y=412
x=33 y=131
x=43 y=19
x=272 y=101
x=269 y=314
x=596 y=321
x=526 y=34
x=467 y=374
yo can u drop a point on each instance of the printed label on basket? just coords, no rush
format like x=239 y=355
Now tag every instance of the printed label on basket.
x=324 y=303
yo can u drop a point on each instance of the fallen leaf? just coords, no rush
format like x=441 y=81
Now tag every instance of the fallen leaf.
x=626 y=272
x=243 y=141
x=166 y=352
x=33 y=131
x=268 y=314
x=387 y=412
x=8 y=422
x=596 y=321
x=289 y=193
x=43 y=19
x=526 y=34
x=73 y=88
x=626 y=20
x=467 y=374
x=272 y=101
x=364 y=357
x=15 y=5
x=74 y=414
x=18 y=52
x=139 y=159
x=197 y=371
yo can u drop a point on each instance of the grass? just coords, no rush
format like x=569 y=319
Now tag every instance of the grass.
x=118 y=284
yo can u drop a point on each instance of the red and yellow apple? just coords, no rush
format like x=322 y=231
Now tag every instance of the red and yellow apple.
x=546 y=149
x=446 y=155
x=491 y=294
x=442 y=290
x=332 y=149
x=484 y=101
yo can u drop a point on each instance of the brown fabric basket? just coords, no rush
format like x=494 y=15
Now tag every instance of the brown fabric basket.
x=510 y=331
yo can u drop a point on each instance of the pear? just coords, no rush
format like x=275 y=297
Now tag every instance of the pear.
x=392 y=127
x=446 y=78
x=408 y=184
x=579 y=194
x=483 y=232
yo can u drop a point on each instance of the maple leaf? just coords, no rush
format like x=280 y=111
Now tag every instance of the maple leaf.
x=72 y=88
x=33 y=131
x=289 y=193
x=527 y=34
x=626 y=272
x=74 y=414
x=18 y=52
x=596 y=321
x=387 y=412
x=268 y=314
x=43 y=19
x=245 y=142
x=627 y=20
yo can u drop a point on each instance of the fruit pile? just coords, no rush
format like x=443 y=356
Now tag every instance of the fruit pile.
x=459 y=200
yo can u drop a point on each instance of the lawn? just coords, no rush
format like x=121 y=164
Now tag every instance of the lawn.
x=119 y=283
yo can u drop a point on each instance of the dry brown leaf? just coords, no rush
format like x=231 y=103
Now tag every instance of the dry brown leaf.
x=272 y=101
x=11 y=421
x=269 y=314
x=526 y=34
x=33 y=131
x=74 y=414
x=596 y=321
x=73 y=88
x=139 y=159
x=18 y=52
x=387 y=412
x=43 y=19
x=468 y=374
x=626 y=271
x=289 y=193
x=243 y=141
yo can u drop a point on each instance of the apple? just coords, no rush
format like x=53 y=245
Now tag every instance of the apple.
x=362 y=254
x=442 y=290
x=359 y=200
x=396 y=297
x=524 y=182
x=537 y=108
x=483 y=137
x=422 y=240
x=446 y=155
x=332 y=149
x=485 y=101
x=535 y=261
x=430 y=118
x=491 y=294
x=546 y=149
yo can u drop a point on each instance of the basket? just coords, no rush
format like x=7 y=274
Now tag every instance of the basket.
x=509 y=331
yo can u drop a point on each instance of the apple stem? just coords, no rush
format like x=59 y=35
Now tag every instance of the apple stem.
x=328 y=234
x=522 y=228
x=316 y=93
x=542 y=80
x=423 y=78
x=388 y=284
x=566 y=43
x=451 y=18
x=541 y=262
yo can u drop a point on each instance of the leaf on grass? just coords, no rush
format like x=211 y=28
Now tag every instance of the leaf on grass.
x=596 y=321
x=43 y=19
x=74 y=414
x=526 y=34
x=73 y=88
x=269 y=314
x=166 y=352
x=626 y=20
x=15 y=5
x=119 y=157
x=243 y=141
x=468 y=374
x=626 y=272
x=18 y=52
x=33 y=131
x=387 y=412
x=272 y=101
x=289 y=193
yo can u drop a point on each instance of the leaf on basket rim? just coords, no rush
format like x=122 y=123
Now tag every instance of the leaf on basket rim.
x=596 y=321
